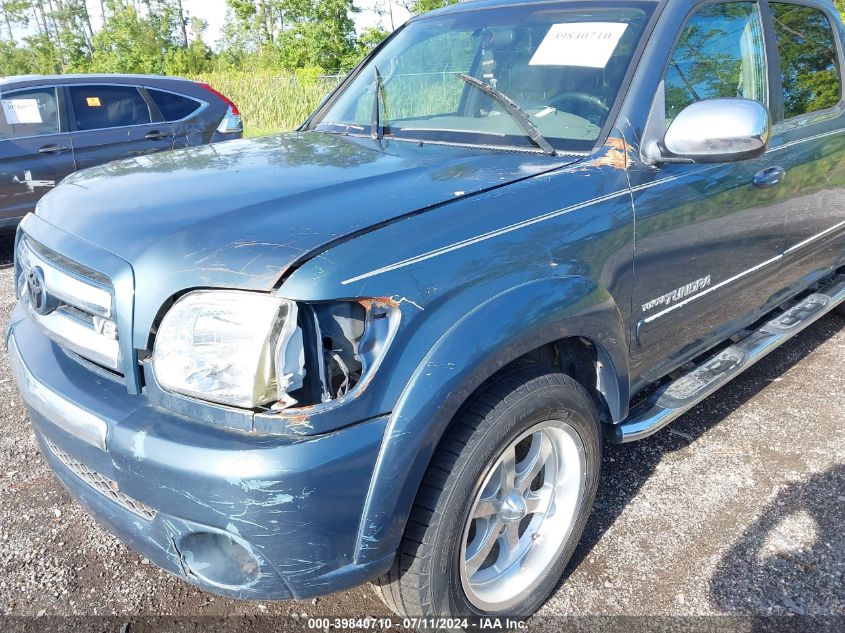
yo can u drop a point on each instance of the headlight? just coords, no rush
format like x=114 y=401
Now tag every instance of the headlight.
x=237 y=348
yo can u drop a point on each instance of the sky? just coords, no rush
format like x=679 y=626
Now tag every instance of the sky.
x=214 y=12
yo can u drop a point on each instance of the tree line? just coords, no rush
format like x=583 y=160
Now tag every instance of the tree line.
x=159 y=36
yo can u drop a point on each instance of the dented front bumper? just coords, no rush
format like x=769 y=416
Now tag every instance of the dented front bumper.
x=238 y=513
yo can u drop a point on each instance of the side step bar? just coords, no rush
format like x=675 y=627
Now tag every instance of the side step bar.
x=676 y=398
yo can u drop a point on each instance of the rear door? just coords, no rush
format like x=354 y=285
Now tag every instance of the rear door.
x=184 y=116
x=35 y=151
x=809 y=143
x=708 y=237
x=112 y=122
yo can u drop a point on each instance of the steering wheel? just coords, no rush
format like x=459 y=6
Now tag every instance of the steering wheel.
x=584 y=99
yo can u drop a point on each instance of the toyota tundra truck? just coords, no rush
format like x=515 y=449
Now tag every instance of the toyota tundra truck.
x=390 y=345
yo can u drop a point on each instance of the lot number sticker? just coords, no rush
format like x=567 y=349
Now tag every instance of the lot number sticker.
x=21 y=111
x=585 y=44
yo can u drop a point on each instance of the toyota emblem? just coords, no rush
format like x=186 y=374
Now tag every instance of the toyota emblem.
x=37 y=291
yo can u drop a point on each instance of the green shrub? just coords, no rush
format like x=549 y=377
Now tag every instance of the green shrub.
x=308 y=76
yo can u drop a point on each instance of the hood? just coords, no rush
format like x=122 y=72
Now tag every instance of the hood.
x=236 y=214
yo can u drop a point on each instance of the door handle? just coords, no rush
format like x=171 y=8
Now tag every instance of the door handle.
x=52 y=149
x=770 y=177
x=156 y=135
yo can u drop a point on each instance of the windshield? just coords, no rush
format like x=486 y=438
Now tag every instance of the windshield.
x=561 y=65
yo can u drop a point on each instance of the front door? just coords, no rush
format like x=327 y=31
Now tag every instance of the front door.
x=35 y=154
x=110 y=122
x=707 y=236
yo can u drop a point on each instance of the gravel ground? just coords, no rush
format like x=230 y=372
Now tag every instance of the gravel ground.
x=737 y=508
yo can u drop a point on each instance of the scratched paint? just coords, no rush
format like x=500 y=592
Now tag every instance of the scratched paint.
x=138 y=449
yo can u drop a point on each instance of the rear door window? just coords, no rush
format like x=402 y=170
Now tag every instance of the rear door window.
x=102 y=107
x=809 y=65
x=31 y=112
x=173 y=107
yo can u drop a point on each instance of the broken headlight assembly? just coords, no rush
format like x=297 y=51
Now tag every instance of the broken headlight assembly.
x=254 y=350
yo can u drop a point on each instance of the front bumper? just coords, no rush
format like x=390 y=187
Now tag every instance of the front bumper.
x=240 y=514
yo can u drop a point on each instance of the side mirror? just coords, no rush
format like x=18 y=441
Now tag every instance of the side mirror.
x=718 y=131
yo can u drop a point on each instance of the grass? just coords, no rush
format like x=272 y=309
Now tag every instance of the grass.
x=255 y=132
x=278 y=103
x=269 y=103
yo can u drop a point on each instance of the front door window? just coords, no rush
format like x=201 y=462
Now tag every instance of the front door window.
x=721 y=53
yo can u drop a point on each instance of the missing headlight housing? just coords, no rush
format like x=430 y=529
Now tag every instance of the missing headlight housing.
x=344 y=342
x=342 y=328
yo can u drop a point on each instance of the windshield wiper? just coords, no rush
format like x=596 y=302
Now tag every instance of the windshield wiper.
x=514 y=110
x=376 y=129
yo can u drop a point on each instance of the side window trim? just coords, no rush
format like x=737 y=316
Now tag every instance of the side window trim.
x=772 y=63
x=61 y=106
x=72 y=112
x=781 y=123
x=155 y=114
x=202 y=104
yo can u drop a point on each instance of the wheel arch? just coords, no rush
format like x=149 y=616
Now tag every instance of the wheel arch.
x=480 y=344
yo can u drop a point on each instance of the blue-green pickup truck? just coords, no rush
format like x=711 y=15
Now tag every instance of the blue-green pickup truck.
x=390 y=345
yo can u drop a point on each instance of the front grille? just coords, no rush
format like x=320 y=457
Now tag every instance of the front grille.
x=102 y=484
x=72 y=304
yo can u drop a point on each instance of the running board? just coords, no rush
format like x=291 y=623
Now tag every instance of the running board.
x=676 y=398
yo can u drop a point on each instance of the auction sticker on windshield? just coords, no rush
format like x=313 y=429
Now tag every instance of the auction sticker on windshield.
x=585 y=44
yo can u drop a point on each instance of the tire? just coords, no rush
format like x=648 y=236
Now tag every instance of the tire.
x=840 y=310
x=446 y=566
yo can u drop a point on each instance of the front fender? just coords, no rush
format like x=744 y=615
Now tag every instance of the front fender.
x=492 y=335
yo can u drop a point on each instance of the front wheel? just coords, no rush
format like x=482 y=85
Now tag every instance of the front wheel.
x=504 y=502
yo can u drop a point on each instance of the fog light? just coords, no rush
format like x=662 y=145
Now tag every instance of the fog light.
x=218 y=559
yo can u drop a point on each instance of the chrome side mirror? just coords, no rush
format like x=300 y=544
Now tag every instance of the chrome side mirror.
x=718 y=131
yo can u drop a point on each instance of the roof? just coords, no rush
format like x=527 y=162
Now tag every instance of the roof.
x=104 y=77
